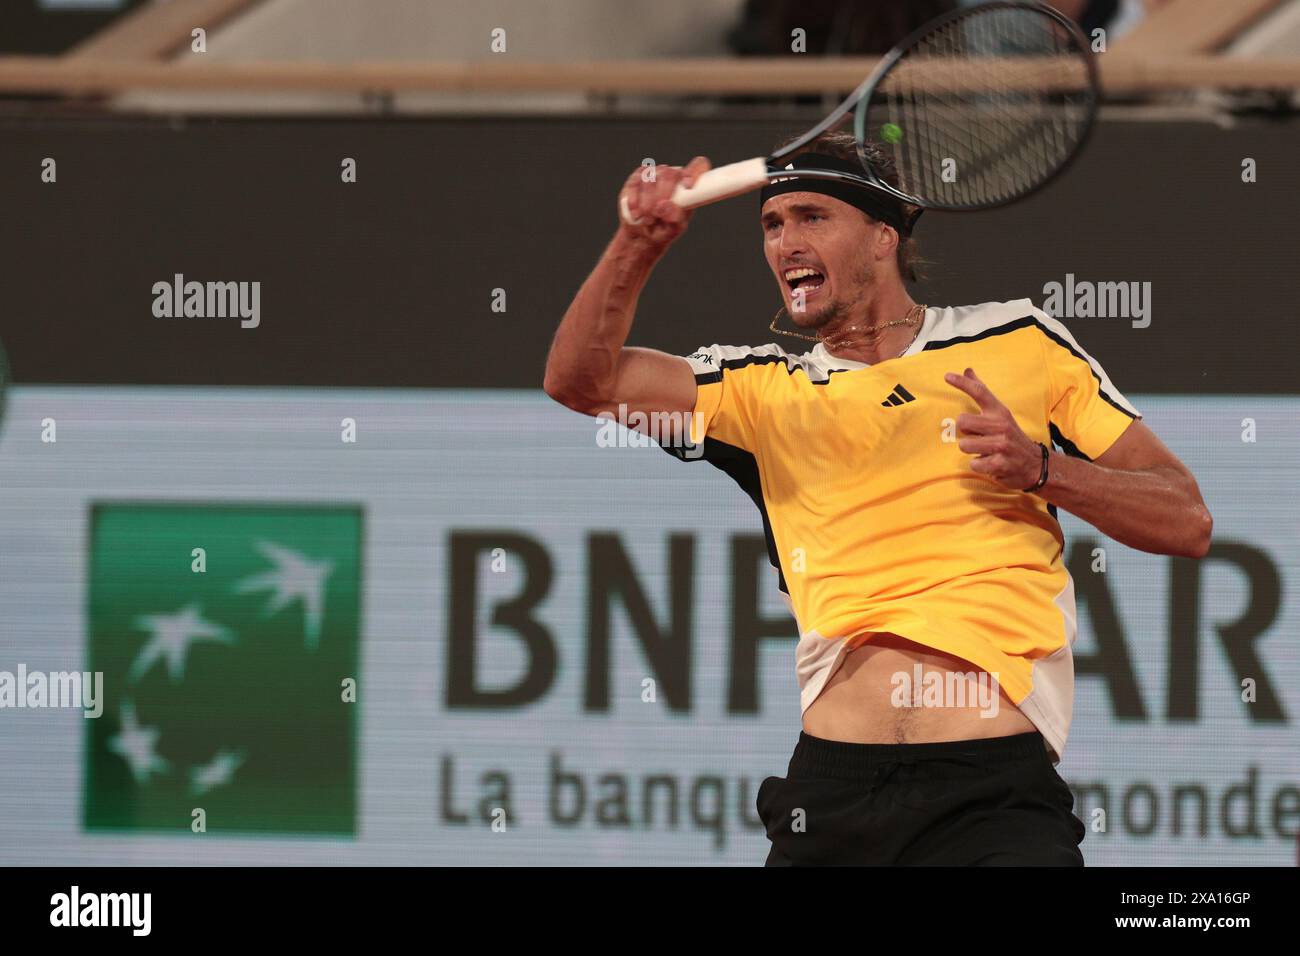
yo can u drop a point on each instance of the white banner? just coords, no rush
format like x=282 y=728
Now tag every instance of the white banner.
x=566 y=652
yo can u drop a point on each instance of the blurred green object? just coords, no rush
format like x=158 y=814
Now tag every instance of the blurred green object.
x=4 y=381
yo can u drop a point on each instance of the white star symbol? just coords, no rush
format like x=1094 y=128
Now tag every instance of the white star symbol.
x=295 y=578
x=172 y=636
x=218 y=773
x=135 y=745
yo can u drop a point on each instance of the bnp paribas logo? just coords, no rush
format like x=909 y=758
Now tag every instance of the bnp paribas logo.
x=228 y=640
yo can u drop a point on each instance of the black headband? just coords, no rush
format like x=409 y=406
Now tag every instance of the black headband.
x=874 y=202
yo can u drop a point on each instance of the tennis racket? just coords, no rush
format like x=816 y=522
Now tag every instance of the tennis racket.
x=978 y=108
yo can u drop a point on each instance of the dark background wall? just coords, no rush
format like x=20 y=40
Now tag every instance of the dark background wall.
x=31 y=26
x=390 y=281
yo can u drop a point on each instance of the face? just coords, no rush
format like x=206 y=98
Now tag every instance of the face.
x=821 y=251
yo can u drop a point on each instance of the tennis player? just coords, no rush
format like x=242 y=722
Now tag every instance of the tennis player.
x=907 y=470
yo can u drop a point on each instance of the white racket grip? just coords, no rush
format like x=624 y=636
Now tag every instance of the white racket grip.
x=714 y=185
x=723 y=183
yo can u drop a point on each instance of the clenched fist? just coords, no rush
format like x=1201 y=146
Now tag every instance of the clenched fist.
x=657 y=220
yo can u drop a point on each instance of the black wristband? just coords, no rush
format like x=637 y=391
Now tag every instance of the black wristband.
x=1042 y=477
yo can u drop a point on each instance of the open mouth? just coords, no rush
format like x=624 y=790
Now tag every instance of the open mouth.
x=803 y=281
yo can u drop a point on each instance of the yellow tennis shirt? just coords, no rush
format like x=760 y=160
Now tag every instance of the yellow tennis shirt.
x=875 y=521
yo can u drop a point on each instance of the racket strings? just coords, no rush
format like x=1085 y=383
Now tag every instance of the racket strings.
x=985 y=107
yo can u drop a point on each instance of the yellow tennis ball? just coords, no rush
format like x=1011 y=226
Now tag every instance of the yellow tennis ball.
x=891 y=133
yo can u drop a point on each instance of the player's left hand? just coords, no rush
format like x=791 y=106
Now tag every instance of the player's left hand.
x=1002 y=451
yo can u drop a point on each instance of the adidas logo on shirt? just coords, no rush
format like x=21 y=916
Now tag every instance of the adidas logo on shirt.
x=899 y=396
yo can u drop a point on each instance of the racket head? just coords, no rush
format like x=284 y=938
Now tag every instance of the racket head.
x=980 y=107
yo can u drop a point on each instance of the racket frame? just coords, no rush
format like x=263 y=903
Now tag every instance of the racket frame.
x=863 y=95
x=735 y=179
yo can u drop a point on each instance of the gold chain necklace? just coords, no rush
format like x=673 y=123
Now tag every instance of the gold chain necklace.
x=914 y=315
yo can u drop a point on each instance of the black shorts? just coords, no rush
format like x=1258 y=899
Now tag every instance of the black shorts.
x=988 y=802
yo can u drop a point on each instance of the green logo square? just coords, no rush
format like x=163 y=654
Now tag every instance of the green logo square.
x=225 y=668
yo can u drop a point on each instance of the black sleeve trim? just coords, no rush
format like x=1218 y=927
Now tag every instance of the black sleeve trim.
x=742 y=466
x=1030 y=321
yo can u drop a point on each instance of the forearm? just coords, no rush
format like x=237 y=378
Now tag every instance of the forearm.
x=1158 y=510
x=584 y=354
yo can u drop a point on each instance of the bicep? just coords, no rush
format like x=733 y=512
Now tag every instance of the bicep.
x=649 y=381
x=1138 y=448
x=716 y=391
